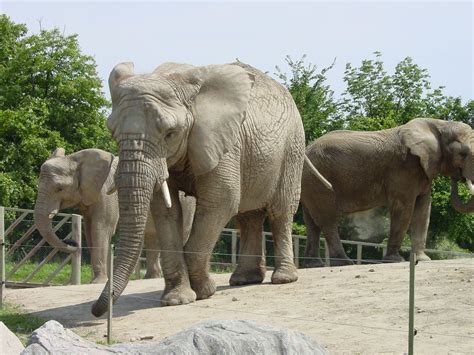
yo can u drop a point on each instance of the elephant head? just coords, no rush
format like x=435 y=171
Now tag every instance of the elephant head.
x=177 y=116
x=68 y=181
x=443 y=147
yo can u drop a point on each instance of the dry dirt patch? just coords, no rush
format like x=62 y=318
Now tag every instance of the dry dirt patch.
x=352 y=309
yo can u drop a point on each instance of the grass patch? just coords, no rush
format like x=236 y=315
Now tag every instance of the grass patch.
x=62 y=278
x=19 y=322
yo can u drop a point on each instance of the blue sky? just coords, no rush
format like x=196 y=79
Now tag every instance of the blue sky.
x=437 y=35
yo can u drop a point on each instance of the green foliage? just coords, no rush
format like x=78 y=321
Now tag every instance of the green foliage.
x=314 y=99
x=50 y=96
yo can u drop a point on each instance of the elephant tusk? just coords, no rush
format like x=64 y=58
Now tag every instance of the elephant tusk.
x=166 y=194
x=470 y=186
x=52 y=214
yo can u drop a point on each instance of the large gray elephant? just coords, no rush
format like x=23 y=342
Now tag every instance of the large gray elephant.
x=392 y=168
x=84 y=180
x=226 y=134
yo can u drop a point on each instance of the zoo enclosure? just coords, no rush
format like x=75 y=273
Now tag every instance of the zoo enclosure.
x=23 y=227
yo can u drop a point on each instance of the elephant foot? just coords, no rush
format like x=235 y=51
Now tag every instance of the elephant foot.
x=421 y=256
x=243 y=276
x=100 y=279
x=340 y=261
x=204 y=287
x=393 y=258
x=152 y=275
x=313 y=262
x=284 y=275
x=177 y=296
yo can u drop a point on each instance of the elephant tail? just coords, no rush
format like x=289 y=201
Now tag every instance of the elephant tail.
x=316 y=173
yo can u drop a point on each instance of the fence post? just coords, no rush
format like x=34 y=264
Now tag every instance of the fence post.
x=2 y=254
x=411 y=311
x=384 y=251
x=326 y=253
x=76 y=257
x=234 y=248
x=138 y=268
x=111 y=293
x=359 y=254
x=296 y=247
x=264 y=243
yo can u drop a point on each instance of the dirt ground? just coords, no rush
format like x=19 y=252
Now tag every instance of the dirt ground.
x=353 y=309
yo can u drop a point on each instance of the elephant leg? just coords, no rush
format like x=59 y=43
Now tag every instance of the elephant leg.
x=251 y=267
x=419 y=226
x=87 y=234
x=153 y=268
x=311 y=254
x=168 y=225
x=285 y=270
x=337 y=255
x=400 y=217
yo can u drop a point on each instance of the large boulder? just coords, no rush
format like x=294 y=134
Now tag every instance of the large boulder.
x=9 y=343
x=213 y=337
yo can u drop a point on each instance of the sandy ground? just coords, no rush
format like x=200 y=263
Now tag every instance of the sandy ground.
x=353 y=309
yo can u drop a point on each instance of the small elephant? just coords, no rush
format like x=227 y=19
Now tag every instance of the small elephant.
x=83 y=180
x=392 y=168
x=228 y=135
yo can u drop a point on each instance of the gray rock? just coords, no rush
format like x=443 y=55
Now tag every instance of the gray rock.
x=213 y=337
x=9 y=343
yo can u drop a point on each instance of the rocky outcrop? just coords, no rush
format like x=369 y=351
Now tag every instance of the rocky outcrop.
x=213 y=337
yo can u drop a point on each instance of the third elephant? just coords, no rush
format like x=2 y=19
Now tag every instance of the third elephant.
x=393 y=168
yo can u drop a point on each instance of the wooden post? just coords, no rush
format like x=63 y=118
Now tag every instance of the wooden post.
x=296 y=247
x=76 y=257
x=411 y=311
x=264 y=244
x=2 y=254
x=384 y=251
x=359 y=254
x=138 y=268
x=234 y=248
x=110 y=270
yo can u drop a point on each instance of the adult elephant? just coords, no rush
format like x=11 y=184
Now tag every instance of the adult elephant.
x=393 y=168
x=84 y=180
x=226 y=134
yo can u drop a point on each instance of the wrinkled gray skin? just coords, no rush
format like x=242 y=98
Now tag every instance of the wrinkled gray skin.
x=226 y=134
x=392 y=168
x=83 y=180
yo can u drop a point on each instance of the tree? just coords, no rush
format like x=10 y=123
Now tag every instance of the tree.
x=314 y=99
x=50 y=95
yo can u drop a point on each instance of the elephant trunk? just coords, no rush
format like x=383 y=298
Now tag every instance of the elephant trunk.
x=139 y=171
x=456 y=201
x=44 y=212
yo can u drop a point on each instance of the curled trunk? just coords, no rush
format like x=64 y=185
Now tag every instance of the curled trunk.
x=138 y=173
x=43 y=219
x=456 y=201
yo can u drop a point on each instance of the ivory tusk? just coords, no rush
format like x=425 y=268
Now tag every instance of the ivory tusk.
x=470 y=186
x=166 y=194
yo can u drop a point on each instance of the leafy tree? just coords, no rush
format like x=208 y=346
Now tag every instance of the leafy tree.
x=50 y=95
x=313 y=97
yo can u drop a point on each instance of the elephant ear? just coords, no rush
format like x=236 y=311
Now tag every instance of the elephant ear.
x=421 y=137
x=220 y=95
x=120 y=72
x=94 y=168
x=58 y=152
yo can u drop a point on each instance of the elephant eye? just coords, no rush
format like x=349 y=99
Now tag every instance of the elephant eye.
x=170 y=135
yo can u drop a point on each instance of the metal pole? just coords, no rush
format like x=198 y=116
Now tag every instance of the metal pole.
x=111 y=293
x=411 y=316
x=359 y=254
x=2 y=254
x=296 y=247
x=234 y=248
x=76 y=257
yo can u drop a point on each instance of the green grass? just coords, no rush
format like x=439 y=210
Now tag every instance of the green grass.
x=19 y=322
x=63 y=276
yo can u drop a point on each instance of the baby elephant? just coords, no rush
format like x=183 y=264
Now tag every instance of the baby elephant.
x=393 y=168
x=84 y=180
